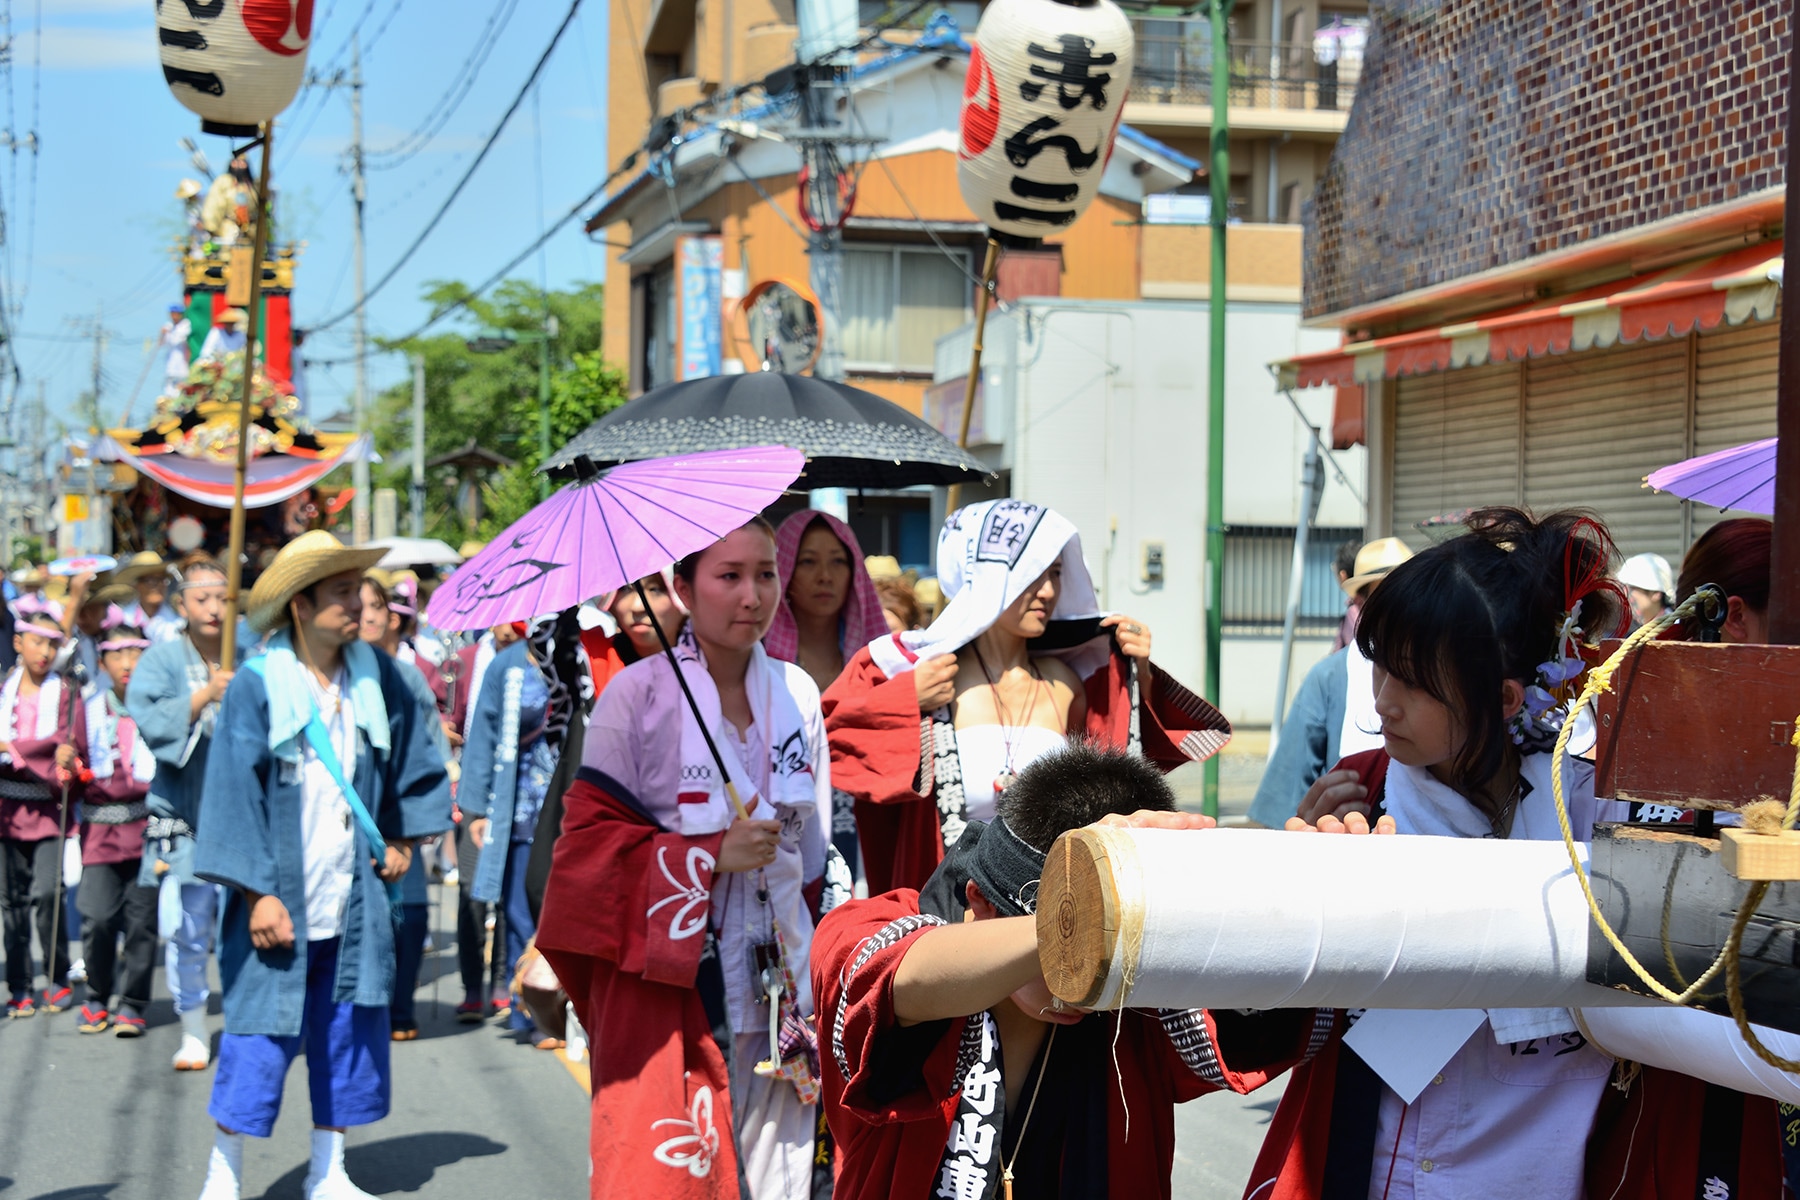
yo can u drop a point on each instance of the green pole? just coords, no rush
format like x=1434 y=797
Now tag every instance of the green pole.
x=1215 y=407
x=543 y=410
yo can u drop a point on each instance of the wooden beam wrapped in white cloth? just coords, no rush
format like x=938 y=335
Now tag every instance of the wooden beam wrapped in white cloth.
x=1693 y=1042
x=1262 y=919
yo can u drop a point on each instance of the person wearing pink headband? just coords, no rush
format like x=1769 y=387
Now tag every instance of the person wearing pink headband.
x=115 y=812
x=38 y=728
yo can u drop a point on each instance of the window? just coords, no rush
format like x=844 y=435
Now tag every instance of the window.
x=897 y=301
x=659 y=326
x=1258 y=563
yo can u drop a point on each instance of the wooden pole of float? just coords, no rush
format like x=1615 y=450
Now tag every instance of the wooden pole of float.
x=234 y=554
x=954 y=500
x=1784 y=562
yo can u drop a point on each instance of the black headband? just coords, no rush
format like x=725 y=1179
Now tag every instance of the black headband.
x=1005 y=868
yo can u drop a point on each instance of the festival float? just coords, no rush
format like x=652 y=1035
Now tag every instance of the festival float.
x=236 y=65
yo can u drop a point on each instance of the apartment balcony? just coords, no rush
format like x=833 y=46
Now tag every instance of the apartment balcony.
x=1277 y=87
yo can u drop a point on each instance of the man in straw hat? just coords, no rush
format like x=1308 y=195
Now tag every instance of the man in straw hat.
x=1333 y=713
x=322 y=776
x=225 y=337
x=147 y=576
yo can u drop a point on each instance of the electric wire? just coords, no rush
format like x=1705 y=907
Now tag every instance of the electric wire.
x=499 y=128
x=458 y=90
x=482 y=288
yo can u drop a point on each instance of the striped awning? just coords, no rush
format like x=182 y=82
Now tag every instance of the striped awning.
x=1734 y=287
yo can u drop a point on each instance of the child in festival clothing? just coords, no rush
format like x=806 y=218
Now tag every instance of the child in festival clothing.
x=952 y=1071
x=174 y=700
x=114 y=813
x=38 y=733
x=321 y=778
x=1474 y=648
x=679 y=928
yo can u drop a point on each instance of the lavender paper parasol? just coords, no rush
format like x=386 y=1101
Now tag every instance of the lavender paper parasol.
x=1742 y=477
x=602 y=533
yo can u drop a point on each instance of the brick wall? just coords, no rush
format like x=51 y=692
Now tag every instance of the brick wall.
x=1490 y=131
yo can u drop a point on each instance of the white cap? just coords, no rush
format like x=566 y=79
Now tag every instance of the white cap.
x=1648 y=573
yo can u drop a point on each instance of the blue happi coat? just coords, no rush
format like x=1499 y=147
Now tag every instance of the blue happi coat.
x=493 y=756
x=250 y=840
x=159 y=700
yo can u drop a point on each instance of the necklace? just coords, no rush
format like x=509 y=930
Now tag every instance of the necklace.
x=1006 y=1172
x=1004 y=779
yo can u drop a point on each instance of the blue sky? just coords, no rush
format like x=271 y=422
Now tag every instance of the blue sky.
x=110 y=160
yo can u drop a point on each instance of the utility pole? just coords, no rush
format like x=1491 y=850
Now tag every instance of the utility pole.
x=1215 y=425
x=359 y=501
x=93 y=542
x=417 y=525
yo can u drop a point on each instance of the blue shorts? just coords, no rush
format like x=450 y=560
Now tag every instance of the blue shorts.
x=346 y=1060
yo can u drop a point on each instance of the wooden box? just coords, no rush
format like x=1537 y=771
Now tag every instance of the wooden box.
x=1699 y=726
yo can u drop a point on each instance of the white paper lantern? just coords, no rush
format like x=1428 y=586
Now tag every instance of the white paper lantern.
x=235 y=62
x=1041 y=104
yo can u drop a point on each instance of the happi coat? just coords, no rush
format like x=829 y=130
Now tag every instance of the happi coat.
x=915 y=1114
x=30 y=793
x=902 y=767
x=115 y=802
x=627 y=924
x=159 y=699
x=250 y=838
x=1655 y=1134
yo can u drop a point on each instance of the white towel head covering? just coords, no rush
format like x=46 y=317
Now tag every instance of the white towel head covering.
x=989 y=554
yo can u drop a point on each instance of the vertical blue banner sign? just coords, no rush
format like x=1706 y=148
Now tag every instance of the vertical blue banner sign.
x=701 y=261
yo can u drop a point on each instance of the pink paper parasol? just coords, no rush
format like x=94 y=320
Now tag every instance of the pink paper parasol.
x=1742 y=477
x=605 y=532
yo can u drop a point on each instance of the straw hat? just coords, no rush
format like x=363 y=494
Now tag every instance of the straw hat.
x=110 y=592
x=1374 y=560
x=144 y=562
x=235 y=316
x=882 y=566
x=187 y=189
x=312 y=556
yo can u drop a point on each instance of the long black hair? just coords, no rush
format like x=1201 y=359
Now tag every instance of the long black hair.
x=1458 y=620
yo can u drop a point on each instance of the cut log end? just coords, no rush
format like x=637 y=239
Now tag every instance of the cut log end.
x=1078 y=917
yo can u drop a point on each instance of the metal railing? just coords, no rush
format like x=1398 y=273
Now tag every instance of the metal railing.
x=1174 y=66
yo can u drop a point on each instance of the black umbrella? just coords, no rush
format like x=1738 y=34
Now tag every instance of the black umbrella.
x=851 y=438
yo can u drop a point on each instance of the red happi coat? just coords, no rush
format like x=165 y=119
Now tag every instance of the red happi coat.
x=890 y=1147
x=1646 y=1142
x=624 y=923
x=882 y=754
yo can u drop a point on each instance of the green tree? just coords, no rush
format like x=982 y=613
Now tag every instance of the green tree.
x=491 y=399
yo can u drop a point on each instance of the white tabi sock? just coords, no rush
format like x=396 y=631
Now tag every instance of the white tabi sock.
x=325 y=1178
x=225 y=1171
x=194 y=1024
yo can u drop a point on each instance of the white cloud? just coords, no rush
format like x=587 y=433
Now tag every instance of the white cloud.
x=75 y=49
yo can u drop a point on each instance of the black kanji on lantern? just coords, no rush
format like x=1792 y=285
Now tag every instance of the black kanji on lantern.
x=1025 y=145
x=1072 y=72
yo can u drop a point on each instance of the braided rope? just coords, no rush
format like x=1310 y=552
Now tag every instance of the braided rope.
x=1600 y=680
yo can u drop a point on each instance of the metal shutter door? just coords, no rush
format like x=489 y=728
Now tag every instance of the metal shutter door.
x=1456 y=445
x=1596 y=423
x=1734 y=396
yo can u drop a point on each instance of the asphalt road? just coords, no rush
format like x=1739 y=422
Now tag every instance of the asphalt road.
x=475 y=1114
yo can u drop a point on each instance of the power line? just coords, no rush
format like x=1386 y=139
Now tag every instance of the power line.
x=458 y=90
x=383 y=27
x=568 y=19
x=478 y=291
